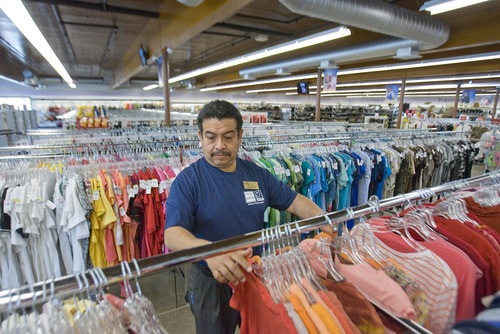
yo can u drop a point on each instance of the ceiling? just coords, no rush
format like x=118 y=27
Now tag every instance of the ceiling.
x=98 y=40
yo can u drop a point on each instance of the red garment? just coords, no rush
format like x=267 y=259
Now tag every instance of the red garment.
x=483 y=282
x=485 y=230
x=258 y=312
x=109 y=238
x=489 y=215
x=479 y=242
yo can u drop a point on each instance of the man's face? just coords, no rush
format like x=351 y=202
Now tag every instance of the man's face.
x=220 y=142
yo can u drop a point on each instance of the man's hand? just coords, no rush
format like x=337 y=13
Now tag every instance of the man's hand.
x=229 y=267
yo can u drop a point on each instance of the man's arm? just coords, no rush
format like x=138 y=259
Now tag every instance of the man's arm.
x=303 y=207
x=225 y=268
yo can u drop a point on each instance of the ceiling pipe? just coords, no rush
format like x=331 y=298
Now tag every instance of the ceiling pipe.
x=380 y=48
x=64 y=32
x=413 y=30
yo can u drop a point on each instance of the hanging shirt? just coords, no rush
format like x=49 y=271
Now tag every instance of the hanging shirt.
x=427 y=267
x=466 y=273
x=258 y=312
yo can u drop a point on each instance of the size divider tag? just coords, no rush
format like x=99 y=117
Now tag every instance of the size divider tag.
x=50 y=204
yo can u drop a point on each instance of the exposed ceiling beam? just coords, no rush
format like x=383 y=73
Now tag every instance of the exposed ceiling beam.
x=100 y=7
x=177 y=25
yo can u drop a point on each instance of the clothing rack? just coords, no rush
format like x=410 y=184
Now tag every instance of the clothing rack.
x=63 y=286
x=363 y=135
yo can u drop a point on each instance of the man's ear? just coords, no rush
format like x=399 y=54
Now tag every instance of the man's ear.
x=241 y=134
x=200 y=134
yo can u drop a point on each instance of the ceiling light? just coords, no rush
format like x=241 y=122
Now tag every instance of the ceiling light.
x=424 y=63
x=18 y=14
x=261 y=38
x=441 y=6
x=261 y=82
x=314 y=39
x=478 y=57
x=153 y=86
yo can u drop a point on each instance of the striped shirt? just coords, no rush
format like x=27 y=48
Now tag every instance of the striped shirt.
x=437 y=281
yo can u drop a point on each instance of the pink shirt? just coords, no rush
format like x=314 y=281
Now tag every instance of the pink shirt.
x=373 y=284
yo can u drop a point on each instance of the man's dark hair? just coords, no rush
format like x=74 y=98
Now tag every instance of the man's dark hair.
x=220 y=109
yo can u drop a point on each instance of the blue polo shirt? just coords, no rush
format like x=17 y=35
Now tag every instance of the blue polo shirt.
x=215 y=205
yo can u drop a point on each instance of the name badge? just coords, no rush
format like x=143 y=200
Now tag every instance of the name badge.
x=252 y=185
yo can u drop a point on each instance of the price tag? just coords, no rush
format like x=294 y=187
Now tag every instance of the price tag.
x=308 y=172
x=154 y=183
x=148 y=189
x=18 y=207
x=335 y=165
x=122 y=211
x=287 y=172
x=118 y=190
x=50 y=204
x=360 y=162
x=7 y=206
x=143 y=184
x=95 y=195
x=128 y=188
x=379 y=158
x=163 y=185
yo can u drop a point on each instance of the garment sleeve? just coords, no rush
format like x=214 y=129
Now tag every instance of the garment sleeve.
x=280 y=196
x=180 y=205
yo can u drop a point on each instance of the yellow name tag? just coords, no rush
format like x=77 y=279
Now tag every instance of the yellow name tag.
x=251 y=185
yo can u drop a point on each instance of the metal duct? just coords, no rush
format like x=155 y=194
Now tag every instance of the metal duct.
x=416 y=30
x=384 y=47
x=377 y=16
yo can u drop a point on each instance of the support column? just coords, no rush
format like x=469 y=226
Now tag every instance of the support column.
x=457 y=97
x=495 y=105
x=401 y=102
x=318 y=96
x=166 y=86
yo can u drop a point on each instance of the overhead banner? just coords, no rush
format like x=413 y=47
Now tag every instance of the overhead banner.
x=486 y=100
x=160 y=71
x=329 y=79
x=391 y=92
x=468 y=96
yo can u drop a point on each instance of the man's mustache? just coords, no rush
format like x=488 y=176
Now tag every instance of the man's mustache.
x=226 y=153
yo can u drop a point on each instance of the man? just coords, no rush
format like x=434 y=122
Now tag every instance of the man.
x=218 y=197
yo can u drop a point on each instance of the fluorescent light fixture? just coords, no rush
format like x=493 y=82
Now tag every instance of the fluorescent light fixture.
x=441 y=6
x=369 y=83
x=261 y=82
x=314 y=39
x=153 y=86
x=456 y=77
x=18 y=14
x=424 y=63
